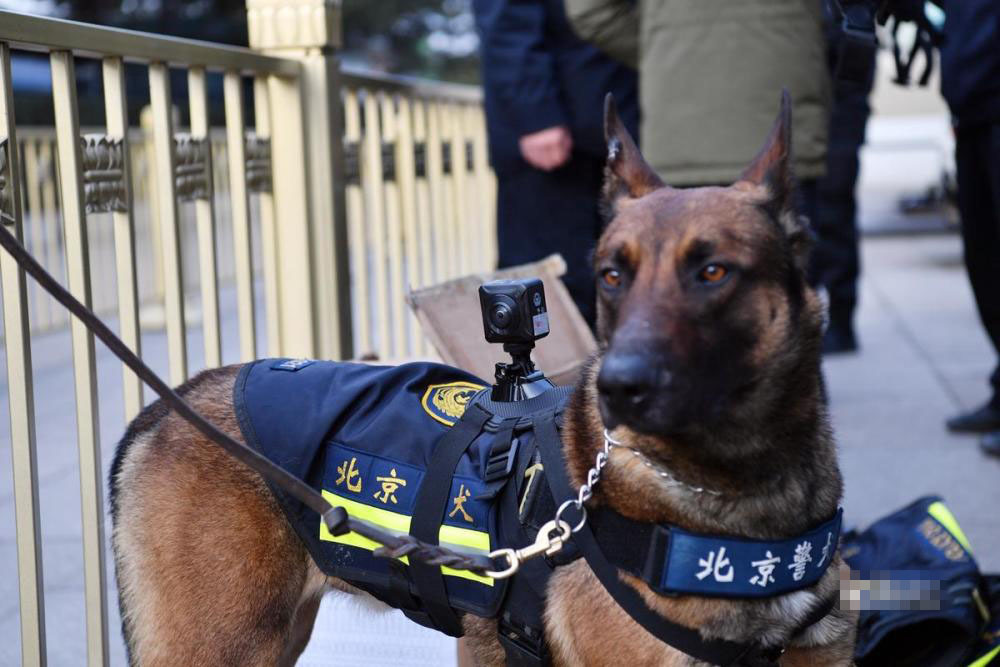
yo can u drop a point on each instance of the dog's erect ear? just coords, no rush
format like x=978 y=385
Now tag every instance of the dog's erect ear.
x=626 y=173
x=772 y=168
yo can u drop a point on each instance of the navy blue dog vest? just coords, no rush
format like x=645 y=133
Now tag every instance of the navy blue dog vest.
x=421 y=449
x=365 y=436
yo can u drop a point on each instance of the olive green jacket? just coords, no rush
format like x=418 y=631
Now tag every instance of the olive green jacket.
x=710 y=77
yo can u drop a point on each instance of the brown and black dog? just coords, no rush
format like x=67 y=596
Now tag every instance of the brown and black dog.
x=709 y=367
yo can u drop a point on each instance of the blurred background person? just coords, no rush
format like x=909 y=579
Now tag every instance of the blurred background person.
x=970 y=83
x=710 y=76
x=544 y=91
x=835 y=261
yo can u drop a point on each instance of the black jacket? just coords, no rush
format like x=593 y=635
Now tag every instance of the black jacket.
x=538 y=74
x=970 y=60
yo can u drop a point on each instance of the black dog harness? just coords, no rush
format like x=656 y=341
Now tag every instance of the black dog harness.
x=421 y=449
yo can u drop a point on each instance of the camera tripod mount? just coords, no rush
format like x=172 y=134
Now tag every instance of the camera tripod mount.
x=520 y=379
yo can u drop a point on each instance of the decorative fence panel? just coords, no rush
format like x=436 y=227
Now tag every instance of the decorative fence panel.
x=349 y=189
x=43 y=223
x=69 y=183
x=411 y=208
x=420 y=201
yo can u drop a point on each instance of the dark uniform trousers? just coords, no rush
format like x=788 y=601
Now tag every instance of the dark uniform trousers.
x=835 y=262
x=540 y=213
x=977 y=159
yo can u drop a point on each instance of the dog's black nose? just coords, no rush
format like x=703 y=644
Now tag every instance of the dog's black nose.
x=626 y=382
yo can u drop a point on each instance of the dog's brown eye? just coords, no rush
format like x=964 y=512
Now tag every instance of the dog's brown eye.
x=611 y=277
x=713 y=273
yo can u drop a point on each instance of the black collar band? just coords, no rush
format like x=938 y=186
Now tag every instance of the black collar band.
x=714 y=651
x=673 y=561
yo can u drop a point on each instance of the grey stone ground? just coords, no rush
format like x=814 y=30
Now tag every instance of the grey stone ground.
x=924 y=356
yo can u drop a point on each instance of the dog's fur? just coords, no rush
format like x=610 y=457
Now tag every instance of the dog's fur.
x=730 y=399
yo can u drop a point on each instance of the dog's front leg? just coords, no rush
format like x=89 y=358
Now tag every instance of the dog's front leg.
x=585 y=626
x=840 y=655
x=481 y=641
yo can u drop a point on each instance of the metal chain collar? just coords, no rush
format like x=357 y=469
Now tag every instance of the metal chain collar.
x=667 y=476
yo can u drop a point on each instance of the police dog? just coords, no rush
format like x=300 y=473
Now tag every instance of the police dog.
x=709 y=367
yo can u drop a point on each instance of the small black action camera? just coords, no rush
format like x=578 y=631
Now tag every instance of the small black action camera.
x=514 y=311
x=514 y=314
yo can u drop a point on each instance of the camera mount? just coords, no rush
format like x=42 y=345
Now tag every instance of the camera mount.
x=514 y=314
x=519 y=380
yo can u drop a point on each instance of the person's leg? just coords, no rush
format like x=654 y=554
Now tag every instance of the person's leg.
x=977 y=161
x=540 y=213
x=989 y=302
x=837 y=257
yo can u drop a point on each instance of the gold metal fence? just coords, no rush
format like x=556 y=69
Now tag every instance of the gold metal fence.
x=41 y=217
x=420 y=201
x=349 y=189
x=418 y=189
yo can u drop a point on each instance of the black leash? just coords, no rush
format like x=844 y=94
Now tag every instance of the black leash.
x=336 y=519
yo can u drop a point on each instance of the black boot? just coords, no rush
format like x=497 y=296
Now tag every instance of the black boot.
x=982 y=419
x=990 y=444
x=839 y=337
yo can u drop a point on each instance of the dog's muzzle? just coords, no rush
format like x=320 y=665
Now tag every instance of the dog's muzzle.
x=627 y=383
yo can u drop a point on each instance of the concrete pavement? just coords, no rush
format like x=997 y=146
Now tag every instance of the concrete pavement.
x=924 y=357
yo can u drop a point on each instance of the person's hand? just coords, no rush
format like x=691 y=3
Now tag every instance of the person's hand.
x=547 y=149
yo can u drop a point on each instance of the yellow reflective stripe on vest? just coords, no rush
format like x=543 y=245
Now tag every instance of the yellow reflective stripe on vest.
x=451 y=536
x=947 y=519
x=984 y=660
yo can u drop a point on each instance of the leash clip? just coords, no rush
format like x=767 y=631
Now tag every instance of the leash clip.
x=549 y=541
x=553 y=533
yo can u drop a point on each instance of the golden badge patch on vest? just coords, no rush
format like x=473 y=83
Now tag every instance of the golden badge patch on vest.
x=447 y=402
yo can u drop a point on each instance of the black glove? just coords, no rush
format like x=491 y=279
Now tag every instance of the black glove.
x=927 y=38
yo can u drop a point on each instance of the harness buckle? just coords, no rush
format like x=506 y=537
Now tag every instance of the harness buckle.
x=501 y=460
x=524 y=646
x=759 y=656
x=548 y=542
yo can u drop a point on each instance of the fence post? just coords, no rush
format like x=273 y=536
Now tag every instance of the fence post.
x=309 y=31
x=20 y=395
x=84 y=358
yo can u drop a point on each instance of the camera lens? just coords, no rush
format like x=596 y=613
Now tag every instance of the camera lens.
x=501 y=315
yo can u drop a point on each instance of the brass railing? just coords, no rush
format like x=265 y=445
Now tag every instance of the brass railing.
x=419 y=201
x=349 y=189
x=41 y=217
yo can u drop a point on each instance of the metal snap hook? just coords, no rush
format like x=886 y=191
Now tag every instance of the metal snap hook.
x=549 y=541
